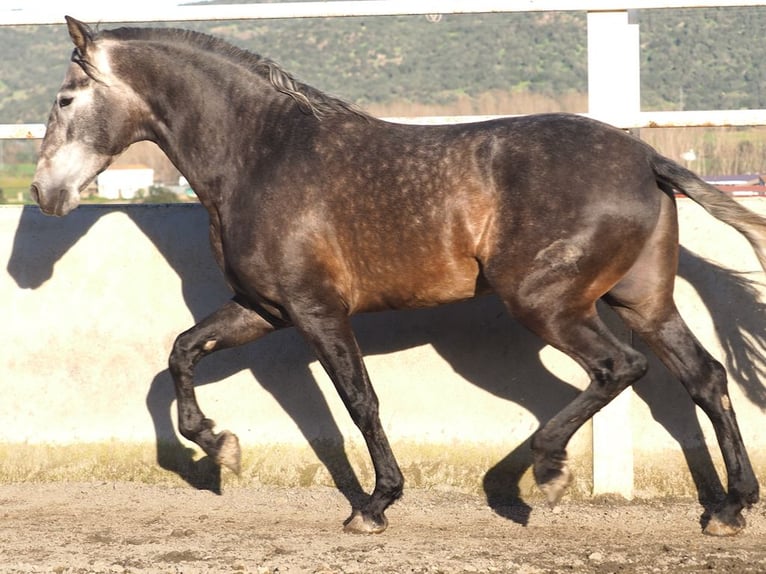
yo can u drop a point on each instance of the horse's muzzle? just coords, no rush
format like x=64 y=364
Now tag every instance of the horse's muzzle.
x=58 y=204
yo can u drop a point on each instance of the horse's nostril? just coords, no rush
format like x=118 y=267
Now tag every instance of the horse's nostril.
x=35 y=193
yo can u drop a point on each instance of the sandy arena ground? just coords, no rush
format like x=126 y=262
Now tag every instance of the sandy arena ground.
x=132 y=527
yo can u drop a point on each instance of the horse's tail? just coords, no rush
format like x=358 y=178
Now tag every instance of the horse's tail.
x=716 y=203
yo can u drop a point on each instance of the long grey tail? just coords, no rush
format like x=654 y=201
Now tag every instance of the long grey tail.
x=715 y=202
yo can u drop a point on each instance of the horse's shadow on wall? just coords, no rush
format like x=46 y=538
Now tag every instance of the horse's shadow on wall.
x=280 y=363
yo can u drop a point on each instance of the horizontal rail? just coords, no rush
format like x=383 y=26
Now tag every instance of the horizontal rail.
x=691 y=118
x=108 y=13
x=22 y=131
x=671 y=119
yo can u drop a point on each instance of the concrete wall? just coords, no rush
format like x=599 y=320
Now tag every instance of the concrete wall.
x=91 y=304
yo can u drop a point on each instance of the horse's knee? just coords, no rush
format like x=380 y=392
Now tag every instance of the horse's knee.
x=612 y=376
x=637 y=366
x=178 y=360
x=187 y=351
x=632 y=366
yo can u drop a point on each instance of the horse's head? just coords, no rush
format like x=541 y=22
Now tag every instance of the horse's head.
x=94 y=118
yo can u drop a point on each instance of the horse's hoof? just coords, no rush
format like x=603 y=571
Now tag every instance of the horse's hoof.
x=358 y=523
x=229 y=454
x=717 y=527
x=555 y=488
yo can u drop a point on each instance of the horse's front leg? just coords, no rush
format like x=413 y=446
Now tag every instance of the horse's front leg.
x=333 y=340
x=229 y=326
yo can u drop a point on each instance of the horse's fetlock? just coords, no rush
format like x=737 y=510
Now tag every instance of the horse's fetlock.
x=549 y=465
x=192 y=427
x=395 y=490
x=537 y=443
x=208 y=424
x=189 y=433
x=553 y=481
x=745 y=493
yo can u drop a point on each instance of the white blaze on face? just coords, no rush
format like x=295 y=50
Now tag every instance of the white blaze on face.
x=72 y=167
x=69 y=160
x=93 y=120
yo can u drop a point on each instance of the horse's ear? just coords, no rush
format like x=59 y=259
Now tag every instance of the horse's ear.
x=80 y=33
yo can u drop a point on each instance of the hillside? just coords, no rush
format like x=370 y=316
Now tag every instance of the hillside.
x=691 y=59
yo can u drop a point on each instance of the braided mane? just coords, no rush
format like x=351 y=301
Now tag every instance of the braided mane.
x=309 y=99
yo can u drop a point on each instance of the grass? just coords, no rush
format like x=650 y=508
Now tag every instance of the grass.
x=719 y=151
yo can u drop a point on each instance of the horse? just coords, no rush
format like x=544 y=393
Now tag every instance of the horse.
x=318 y=211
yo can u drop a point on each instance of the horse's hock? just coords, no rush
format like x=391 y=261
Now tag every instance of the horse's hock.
x=93 y=303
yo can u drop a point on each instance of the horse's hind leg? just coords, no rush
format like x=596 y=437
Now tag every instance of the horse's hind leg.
x=644 y=299
x=704 y=378
x=556 y=298
x=612 y=366
x=229 y=326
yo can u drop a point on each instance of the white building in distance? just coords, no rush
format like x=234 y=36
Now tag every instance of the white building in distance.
x=125 y=182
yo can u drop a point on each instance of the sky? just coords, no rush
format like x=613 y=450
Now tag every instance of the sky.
x=73 y=4
x=56 y=7
x=87 y=10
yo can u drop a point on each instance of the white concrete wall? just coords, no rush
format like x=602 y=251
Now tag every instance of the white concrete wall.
x=92 y=302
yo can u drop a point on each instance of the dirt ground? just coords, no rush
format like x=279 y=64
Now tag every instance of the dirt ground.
x=132 y=527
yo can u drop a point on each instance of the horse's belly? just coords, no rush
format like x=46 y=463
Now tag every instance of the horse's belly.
x=414 y=286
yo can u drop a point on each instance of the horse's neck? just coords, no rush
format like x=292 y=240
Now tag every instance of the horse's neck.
x=203 y=135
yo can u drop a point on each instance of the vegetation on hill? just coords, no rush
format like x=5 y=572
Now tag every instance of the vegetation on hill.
x=460 y=64
x=691 y=59
x=703 y=59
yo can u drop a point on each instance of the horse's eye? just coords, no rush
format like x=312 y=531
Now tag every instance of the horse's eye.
x=65 y=101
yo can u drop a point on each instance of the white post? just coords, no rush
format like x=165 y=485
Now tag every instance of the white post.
x=613 y=93
x=614 y=77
